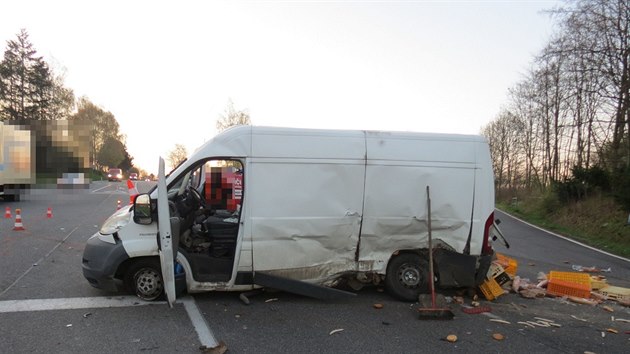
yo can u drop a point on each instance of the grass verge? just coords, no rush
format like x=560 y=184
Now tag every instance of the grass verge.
x=597 y=221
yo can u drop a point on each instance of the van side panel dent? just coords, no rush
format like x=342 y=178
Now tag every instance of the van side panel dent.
x=306 y=209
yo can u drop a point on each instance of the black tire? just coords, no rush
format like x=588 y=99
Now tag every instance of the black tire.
x=407 y=276
x=144 y=278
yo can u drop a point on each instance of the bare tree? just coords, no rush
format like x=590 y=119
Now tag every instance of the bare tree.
x=177 y=155
x=232 y=117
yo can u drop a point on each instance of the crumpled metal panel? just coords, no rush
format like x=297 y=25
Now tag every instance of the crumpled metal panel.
x=305 y=210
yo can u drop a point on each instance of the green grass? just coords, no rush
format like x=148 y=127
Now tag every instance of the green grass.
x=596 y=221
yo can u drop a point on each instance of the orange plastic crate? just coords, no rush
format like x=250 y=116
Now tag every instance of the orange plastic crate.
x=491 y=289
x=562 y=287
x=509 y=264
x=573 y=277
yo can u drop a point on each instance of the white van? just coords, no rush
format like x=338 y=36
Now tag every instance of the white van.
x=302 y=210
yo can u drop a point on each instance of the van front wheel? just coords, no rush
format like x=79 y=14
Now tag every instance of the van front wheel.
x=144 y=278
x=407 y=276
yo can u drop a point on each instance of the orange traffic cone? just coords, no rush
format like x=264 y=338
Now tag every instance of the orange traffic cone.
x=7 y=213
x=18 y=221
x=49 y=213
x=133 y=191
x=118 y=205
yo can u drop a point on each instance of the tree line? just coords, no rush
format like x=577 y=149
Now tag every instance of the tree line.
x=567 y=123
x=31 y=92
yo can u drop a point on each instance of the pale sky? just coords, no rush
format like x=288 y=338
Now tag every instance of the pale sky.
x=166 y=69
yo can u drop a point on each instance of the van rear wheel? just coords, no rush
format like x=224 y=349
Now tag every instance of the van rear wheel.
x=144 y=278
x=407 y=276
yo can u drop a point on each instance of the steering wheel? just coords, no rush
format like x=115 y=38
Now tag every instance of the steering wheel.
x=197 y=196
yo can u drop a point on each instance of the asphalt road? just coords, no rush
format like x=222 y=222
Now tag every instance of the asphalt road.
x=47 y=306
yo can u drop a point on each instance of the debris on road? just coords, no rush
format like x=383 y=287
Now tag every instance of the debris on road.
x=451 y=338
x=378 y=306
x=335 y=331
x=498 y=336
x=272 y=299
x=476 y=310
x=499 y=321
x=579 y=268
x=526 y=324
x=221 y=348
x=612 y=330
x=579 y=319
x=86 y=315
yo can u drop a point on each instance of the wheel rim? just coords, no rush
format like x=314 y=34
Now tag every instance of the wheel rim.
x=148 y=284
x=409 y=276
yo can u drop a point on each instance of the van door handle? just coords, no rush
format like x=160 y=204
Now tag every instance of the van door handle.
x=352 y=213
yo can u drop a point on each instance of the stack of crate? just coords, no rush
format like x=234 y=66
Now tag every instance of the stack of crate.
x=569 y=284
x=501 y=273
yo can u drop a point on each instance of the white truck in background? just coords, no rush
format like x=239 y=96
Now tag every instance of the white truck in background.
x=301 y=210
x=16 y=165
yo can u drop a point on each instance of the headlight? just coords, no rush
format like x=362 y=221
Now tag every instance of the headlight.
x=116 y=222
x=119 y=175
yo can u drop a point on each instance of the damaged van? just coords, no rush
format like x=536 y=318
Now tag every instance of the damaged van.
x=304 y=210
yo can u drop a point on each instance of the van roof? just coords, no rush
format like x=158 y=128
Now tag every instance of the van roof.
x=261 y=141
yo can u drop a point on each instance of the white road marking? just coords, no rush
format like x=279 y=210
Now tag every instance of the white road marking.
x=97 y=190
x=566 y=238
x=72 y=303
x=206 y=337
x=199 y=322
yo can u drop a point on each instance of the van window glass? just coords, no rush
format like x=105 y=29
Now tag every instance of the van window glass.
x=223 y=184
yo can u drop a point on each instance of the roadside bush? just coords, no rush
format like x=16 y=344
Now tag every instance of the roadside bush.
x=549 y=203
x=621 y=191
x=583 y=183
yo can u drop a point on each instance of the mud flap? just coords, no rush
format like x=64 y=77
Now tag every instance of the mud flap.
x=300 y=287
x=455 y=270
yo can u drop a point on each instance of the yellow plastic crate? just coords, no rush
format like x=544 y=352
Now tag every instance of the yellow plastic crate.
x=510 y=265
x=598 y=283
x=616 y=293
x=562 y=287
x=572 y=277
x=491 y=289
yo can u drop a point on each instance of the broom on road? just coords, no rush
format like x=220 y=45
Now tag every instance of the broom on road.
x=433 y=312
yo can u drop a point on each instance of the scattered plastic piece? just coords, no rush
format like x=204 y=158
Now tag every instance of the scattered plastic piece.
x=451 y=338
x=378 y=306
x=608 y=308
x=526 y=324
x=621 y=320
x=86 y=315
x=612 y=330
x=272 y=300
x=334 y=331
x=579 y=319
x=499 y=321
x=593 y=269
x=476 y=310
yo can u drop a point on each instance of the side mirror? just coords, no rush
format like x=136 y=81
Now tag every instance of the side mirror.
x=142 y=213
